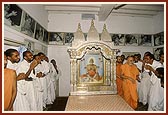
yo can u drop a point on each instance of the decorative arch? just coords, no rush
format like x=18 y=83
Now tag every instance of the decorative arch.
x=105 y=61
x=93 y=63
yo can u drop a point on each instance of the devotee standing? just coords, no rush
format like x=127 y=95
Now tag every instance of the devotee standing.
x=27 y=66
x=152 y=65
x=20 y=103
x=38 y=86
x=118 y=74
x=138 y=63
x=56 y=73
x=129 y=73
x=44 y=69
x=161 y=58
x=145 y=84
x=9 y=86
x=156 y=97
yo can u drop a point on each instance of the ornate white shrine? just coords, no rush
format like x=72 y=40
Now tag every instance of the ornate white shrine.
x=93 y=63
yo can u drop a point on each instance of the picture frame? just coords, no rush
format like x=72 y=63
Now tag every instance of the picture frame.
x=131 y=39
x=145 y=40
x=28 y=25
x=12 y=16
x=69 y=37
x=39 y=33
x=29 y=45
x=118 y=39
x=45 y=38
x=91 y=69
x=157 y=51
x=56 y=38
x=158 y=39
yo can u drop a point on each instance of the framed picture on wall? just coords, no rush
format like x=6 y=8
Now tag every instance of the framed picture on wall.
x=39 y=33
x=29 y=45
x=45 y=38
x=69 y=37
x=12 y=16
x=145 y=40
x=131 y=39
x=28 y=25
x=56 y=38
x=158 y=39
x=118 y=39
x=157 y=52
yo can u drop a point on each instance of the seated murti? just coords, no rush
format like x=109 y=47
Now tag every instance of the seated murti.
x=92 y=74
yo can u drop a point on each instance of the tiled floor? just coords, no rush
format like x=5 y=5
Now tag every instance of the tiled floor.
x=60 y=104
x=97 y=103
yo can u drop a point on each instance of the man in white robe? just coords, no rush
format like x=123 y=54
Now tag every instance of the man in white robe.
x=138 y=63
x=156 y=95
x=156 y=102
x=44 y=69
x=55 y=73
x=145 y=84
x=37 y=83
x=27 y=66
x=50 y=85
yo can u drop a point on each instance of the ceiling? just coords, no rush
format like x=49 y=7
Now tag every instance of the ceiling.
x=104 y=10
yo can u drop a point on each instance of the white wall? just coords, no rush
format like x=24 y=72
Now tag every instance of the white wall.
x=60 y=54
x=115 y=24
x=158 y=23
x=69 y=23
x=129 y=25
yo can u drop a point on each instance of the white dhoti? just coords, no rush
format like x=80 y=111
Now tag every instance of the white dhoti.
x=44 y=86
x=30 y=94
x=144 y=88
x=38 y=93
x=156 y=95
x=21 y=103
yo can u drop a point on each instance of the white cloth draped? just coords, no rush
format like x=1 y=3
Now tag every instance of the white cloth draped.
x=156 y=95
x=145 y=84
x=21 y=102
x=44 y=68
x=29 y=88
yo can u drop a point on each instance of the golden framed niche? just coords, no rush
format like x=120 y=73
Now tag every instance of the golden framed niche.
x=93 y=63
x=93 y=69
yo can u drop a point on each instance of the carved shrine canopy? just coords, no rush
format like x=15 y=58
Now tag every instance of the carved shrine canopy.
x=93 y=63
